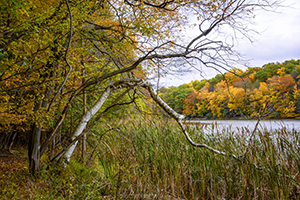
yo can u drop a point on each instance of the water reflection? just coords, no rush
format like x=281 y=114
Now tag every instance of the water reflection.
x=264 y=125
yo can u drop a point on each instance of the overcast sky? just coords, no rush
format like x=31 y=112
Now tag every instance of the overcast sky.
x=279 y=40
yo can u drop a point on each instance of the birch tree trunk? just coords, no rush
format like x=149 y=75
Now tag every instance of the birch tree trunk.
x=85 y=119
x=92 y=111
x=129 y=83
x=179 y=119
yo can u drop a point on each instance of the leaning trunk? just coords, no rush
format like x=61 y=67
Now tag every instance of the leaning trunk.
x=67 y=153
x=84 y=120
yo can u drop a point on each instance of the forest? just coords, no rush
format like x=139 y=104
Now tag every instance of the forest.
x=81 y=118
x=270 y=91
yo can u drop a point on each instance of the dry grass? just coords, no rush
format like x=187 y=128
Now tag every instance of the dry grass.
x=152 y=160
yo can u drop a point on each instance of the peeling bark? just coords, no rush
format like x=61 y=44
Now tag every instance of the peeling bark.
x=67 y=153
x=94 y=109
x=86 y=118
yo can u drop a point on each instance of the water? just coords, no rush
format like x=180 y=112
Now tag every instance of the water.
x=269 y=125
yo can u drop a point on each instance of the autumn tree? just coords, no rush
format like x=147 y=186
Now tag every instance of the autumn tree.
x=267 y=71
x=105 y=49
x=190 y=102
x=282 y=88
x=239 y=94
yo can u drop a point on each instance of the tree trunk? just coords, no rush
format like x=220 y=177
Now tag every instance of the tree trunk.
x=33 y=145
x=67 y=153
x=33 y=149
x=34 y=154
x=85 y=119
x=7 y=140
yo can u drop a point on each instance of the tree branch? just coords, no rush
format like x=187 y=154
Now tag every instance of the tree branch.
x=179 y=119
x=66 y=54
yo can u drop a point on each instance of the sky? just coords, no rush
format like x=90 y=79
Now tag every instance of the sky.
x=278 y=41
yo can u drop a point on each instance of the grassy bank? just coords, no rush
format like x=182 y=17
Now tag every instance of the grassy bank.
x=152 y=160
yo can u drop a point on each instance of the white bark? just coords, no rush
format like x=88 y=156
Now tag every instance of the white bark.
x=179 y=119
x=94 y=109
x=86 y=118
x=126 y=83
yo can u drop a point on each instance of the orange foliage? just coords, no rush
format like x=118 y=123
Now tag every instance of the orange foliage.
x=282 y=84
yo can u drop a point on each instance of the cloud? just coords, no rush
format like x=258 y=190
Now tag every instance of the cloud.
x=279 y=40
x=272 y=49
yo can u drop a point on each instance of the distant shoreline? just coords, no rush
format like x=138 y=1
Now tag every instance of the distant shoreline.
x=241 y=118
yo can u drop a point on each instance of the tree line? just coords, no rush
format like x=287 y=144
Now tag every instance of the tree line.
x=68 y=67
x=270 y=91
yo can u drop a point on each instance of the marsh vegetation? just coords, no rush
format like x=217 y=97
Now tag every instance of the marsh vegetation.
x=151 y=159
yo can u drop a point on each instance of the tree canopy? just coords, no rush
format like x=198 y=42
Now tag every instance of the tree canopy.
x=274 y=95
x=66 y=64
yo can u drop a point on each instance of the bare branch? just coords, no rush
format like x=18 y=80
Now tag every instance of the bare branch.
x=66 y=54
x=179 y=119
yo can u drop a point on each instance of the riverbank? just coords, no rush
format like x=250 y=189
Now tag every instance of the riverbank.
x=153 y=160
x=240 y=118
x=267 y=125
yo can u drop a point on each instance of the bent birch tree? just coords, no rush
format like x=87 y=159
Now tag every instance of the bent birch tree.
x=67 y=153
x=118 y=44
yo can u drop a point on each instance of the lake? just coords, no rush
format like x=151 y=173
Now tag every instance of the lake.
x=269 y=125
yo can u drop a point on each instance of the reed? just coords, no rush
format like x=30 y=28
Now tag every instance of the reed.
x=152 y=160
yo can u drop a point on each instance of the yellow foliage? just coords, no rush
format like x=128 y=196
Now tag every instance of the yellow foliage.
x=296 y=94
x=281 y=71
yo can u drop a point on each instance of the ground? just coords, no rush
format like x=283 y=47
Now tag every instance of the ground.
x=13 y=176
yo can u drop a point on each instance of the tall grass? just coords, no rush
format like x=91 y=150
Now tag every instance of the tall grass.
x=152 y=160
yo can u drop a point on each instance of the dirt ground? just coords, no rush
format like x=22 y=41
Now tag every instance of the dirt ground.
x=13 y=173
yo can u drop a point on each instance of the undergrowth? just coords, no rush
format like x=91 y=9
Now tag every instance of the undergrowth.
x=153 y=160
